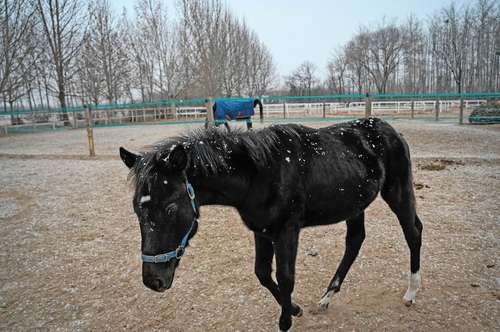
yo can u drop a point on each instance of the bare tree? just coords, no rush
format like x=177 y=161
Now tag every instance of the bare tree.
x=248 y=68
x=356 y=72
x=303 y=79
x=451 y=37
x=17 y=49
x=260 y=70
x=413 y=57
x=63 y=25
x=90 y=76
x=202 y=37
x=483 y=64
x=380 y=53
x=104 y=53
x=337 y=67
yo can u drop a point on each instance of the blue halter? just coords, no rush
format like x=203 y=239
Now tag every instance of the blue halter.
x=177 y=253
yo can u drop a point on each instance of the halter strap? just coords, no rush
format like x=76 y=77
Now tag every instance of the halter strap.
x=177 y=253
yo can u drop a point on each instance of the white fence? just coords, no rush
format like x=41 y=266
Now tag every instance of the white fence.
x=102 y=116
x=358 y=108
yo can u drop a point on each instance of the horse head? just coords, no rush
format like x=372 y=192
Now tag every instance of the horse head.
x=165 y=205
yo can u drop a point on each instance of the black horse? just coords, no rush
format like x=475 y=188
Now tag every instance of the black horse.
x=280 y=179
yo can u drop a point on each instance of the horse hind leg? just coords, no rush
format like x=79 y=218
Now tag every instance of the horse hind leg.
x=415 y=278
x=401 y=200
x=354 y=239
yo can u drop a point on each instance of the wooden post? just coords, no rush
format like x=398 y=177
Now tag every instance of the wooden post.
x=209 y=103
x=284 y=109
x=436 y=107
x=324 y=110
x=90 y=131
x=412 y=109
x=368 y=106
x=461 y=119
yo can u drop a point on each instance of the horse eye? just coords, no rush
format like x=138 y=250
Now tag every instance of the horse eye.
x=171 y=209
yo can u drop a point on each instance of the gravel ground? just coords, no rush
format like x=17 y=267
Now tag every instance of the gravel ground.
x=69 y=256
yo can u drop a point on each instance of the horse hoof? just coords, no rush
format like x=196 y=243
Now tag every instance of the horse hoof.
x=325 y=301
x=297 y=311
x=323 y=307
x=289 y=330
x=409 y=298
x=408 y=303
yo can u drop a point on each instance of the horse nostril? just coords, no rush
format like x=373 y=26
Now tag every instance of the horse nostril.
x=160 y=284
x=157 y=284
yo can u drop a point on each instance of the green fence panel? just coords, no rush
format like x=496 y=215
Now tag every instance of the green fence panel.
x=355 y=96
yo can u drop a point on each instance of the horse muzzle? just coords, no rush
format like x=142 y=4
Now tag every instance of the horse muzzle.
x=158 y=277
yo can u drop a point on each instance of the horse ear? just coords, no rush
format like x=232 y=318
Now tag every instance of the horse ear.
x=128 y=157
x=176 y=159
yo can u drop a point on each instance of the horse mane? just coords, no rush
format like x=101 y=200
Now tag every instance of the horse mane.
x=211 y=151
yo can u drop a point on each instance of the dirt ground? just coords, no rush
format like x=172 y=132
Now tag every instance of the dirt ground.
x=69 y=255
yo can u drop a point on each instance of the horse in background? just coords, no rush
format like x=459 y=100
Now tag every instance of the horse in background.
x=225 y=110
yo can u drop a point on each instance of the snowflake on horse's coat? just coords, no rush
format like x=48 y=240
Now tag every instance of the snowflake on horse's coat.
x=280 y=179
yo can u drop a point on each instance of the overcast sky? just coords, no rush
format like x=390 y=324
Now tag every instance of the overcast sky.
x=300 y=30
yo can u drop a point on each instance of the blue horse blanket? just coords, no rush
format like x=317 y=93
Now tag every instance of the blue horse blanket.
x=233 y=109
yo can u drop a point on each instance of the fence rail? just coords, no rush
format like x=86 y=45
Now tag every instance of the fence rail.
x=438 y=106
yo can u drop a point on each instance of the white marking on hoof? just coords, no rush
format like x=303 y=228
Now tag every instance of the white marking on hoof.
x=325 y=300
x=413 y=288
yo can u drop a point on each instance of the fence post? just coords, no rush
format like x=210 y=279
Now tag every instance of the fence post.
x=324 y=110
x=284 y=109
x=90 y=131
x=461 y=120
x=368 y=106
x=436 y=107
x=412 y=109
x=210 y=113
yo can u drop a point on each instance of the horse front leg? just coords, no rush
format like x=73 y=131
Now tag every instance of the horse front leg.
x=286 y=252
x=354 y=240
x=264 y=252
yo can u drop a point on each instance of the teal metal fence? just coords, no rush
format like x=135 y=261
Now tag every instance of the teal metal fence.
x=426 y=107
